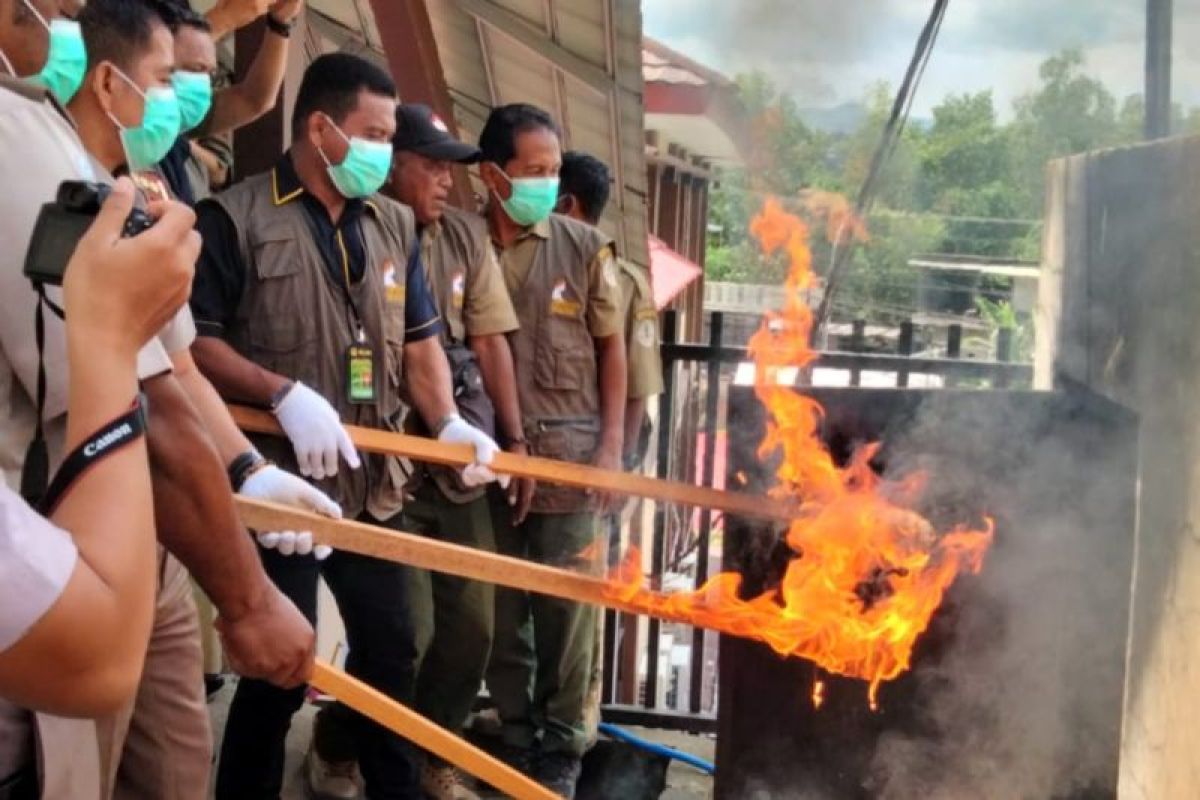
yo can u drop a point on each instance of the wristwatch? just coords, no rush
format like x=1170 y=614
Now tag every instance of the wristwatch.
x=281 y=393
x=278 y=28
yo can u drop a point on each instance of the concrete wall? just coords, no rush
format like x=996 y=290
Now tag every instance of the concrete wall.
x=1119 y=311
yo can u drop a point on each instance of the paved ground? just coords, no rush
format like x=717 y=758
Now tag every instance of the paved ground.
x=683 y=782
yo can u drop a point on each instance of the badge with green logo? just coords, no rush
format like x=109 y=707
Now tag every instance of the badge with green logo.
x=360 y=374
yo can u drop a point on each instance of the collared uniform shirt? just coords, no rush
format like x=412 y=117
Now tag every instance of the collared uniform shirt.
x=463 y=273
x=42 y=150
x=603 y=312
x=221 y=271
x=641 y=333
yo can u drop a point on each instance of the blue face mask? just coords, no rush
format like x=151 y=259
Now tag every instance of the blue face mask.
x=532 y=199
x=365 y=168
x=146 y=144
x=194 y=91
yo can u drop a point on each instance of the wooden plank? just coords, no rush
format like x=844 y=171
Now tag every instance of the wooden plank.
x=582 y=476
x=412 y=726
x=465 y=562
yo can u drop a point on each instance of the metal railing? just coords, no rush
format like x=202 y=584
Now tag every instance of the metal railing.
x=691 y=411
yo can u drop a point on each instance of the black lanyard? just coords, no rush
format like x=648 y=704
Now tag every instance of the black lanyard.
x=340 y=243
x=36 y=487
x=35 y=472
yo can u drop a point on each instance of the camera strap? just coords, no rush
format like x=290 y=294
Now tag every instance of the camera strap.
x=35 y=472
x=110 y=439
x=36 y=487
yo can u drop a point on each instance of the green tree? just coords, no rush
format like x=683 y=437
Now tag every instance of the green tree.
x=1071 y=112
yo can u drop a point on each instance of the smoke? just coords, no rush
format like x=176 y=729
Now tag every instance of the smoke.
x=1017 y=686
x=807 y=46
x=1025 y=701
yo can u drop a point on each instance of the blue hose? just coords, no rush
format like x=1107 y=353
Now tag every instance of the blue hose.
x=623 y=735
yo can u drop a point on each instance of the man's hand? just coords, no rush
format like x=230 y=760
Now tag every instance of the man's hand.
x=120 y=292
x=271 y=641
x=273 y=484
x=459 y=431
x=316 y=432
x=228 y=15
x=286 y=10
x=520 y=491
x=608 y=456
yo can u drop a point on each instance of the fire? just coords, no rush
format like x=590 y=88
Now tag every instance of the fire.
x=818 y=694
x=868 y=572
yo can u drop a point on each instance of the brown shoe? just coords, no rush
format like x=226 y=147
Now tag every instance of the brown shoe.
x=444 y=782
x=329 y=780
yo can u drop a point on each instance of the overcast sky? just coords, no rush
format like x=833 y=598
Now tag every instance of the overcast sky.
x=827 y=51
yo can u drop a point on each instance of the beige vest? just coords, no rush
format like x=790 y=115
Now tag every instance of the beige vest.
x=294 y=320
x=449 y=256
x=558 y=380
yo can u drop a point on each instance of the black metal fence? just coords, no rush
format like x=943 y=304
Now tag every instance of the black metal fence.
x=691 y=412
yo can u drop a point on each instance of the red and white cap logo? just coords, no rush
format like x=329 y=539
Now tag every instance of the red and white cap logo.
x=437 y=123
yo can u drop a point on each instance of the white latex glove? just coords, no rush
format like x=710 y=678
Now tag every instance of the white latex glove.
x=292 y=543
x=316 y=432
x=459 y=431
x=277 y=486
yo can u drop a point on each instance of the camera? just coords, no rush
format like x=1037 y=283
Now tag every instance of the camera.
x=61 y=224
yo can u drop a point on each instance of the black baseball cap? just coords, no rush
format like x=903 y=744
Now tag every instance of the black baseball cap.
x=420 y=131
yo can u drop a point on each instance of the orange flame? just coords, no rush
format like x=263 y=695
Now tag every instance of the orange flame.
x=868 y=573
x=818 y=694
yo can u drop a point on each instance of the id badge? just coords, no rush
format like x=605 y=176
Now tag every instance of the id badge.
x=360 y=373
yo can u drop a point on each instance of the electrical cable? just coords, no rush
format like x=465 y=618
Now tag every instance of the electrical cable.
x=889 y=138
x=623 y=735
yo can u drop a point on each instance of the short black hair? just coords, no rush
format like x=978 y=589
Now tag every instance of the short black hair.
x=118 y=31
x=588 y=180
x=331 y=84
x=498 y=142
x=180 y=14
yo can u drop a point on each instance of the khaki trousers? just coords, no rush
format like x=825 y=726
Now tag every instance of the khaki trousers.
x=159 y=747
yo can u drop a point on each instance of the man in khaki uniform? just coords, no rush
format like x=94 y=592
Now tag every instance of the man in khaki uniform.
x=310 y=299
x=570 y=364
x=262 y=630
x=454 y=617
x=584 y=188
x=583 y=194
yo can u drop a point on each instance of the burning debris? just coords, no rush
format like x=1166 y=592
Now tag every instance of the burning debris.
x=866 y=573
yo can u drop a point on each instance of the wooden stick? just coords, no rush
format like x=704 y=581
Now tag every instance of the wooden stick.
x=417 y=729
x=465 y=562
x=581 y=476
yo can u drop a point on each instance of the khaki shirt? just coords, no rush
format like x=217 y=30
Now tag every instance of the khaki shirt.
x=641 y=333
x=603 y=311
x=465 y=278
x=41 y=150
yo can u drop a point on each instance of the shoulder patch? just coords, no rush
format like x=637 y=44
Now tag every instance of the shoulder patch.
x=610 y=270
x=646 y=333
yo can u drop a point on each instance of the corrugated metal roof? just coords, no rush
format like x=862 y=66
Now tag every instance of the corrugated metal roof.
x=581 y=60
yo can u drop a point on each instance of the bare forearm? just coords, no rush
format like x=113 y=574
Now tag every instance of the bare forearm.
x=499 y=380
x=613 y=382
x=635 y=411
x=233 y=376
x=109 y=512
x=226 y=435
x=256 y=94
x=218 y=171
x=428 y=375
x=193 y=504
